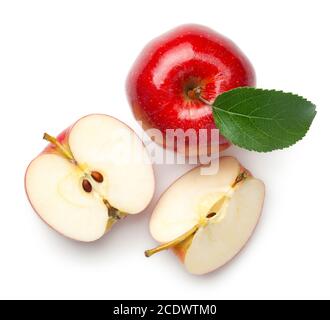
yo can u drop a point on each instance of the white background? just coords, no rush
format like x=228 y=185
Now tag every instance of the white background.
x=61 y=60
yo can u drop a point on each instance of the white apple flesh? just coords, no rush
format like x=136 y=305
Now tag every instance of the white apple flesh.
x=207 y=219
x=96 y=173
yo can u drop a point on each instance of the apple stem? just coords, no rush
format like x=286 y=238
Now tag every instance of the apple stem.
x=173 y=243
x=197 y=93
x=205 y=101
x=65 y=151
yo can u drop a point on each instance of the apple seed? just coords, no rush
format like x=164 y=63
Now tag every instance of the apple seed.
x=211 y=215
x=87 y=186
x=97 y=176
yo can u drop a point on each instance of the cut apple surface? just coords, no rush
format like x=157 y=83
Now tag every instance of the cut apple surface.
x=94 y=174
x=207 y=219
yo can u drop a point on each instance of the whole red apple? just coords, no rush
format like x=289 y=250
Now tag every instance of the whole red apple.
x=178 y=75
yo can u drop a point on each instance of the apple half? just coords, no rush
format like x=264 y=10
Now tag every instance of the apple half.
x=95 y=173
x=207 y=219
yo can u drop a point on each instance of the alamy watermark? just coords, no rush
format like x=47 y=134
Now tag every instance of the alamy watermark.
x=193 y=147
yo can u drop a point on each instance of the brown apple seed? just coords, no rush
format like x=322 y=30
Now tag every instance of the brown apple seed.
x=97 y=176
x=87 y=186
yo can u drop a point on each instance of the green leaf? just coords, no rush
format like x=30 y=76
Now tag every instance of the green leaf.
x=262 y=120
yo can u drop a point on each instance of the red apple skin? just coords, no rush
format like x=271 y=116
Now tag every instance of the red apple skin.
x=188 y=57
